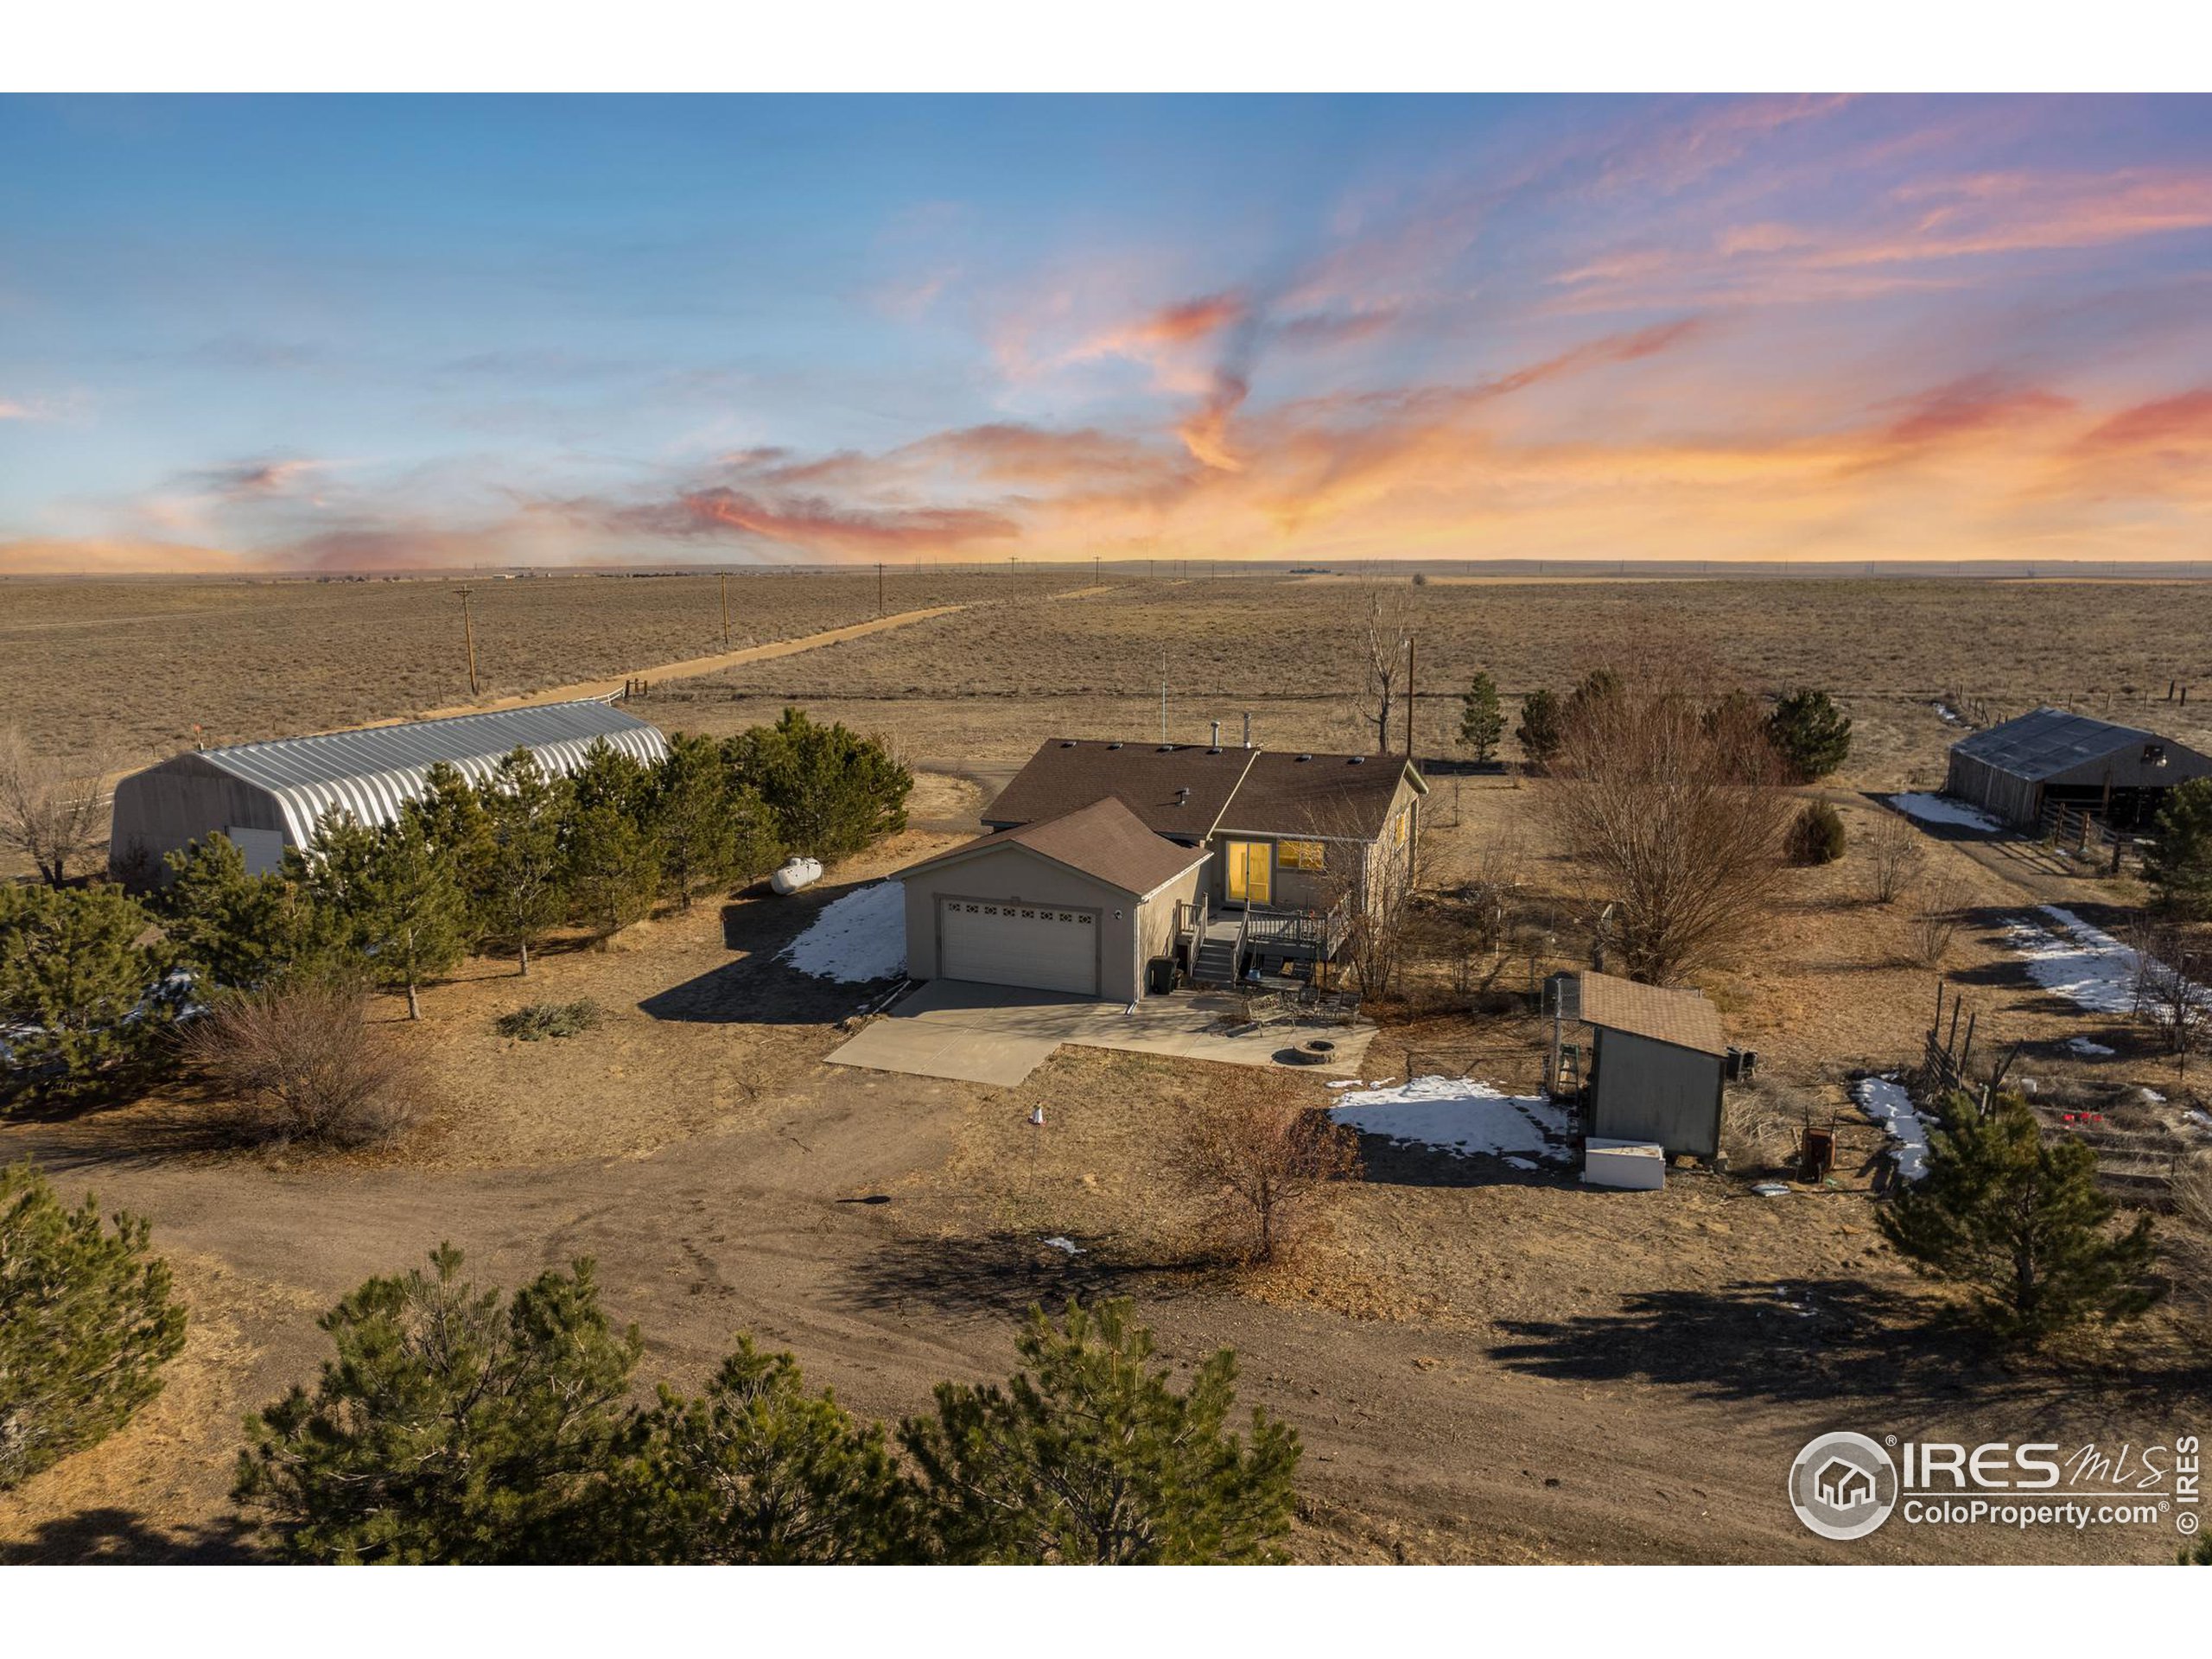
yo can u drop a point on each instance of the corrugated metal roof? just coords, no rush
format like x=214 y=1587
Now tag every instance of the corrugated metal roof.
x=1682 y=1018
x=2049 y=741
x=374 y=771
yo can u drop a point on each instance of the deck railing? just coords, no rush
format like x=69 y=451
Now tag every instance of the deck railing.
x=1321 y=931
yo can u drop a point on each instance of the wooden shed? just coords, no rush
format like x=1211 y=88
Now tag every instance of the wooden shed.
x=2054 y=758
x=1658 y=1062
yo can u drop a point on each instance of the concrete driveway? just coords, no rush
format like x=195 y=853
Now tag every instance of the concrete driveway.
x=1001 y=1033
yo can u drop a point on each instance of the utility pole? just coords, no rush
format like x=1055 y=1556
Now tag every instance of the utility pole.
x=1163 y=696
x=468 y=640
x=1409 y=697
x=879 y=589
x=725 y=610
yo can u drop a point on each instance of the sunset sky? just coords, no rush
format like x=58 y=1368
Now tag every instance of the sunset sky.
x=358 y=334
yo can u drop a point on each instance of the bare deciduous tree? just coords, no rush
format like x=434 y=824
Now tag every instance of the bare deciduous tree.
x=1669 y=801
x=52 y=810
x=2170 y=986
x=1938 y=905
x=1370 y=884
x=306 y=1060
x=1384 y=624
x=1245 y=1140
x=1895 y=853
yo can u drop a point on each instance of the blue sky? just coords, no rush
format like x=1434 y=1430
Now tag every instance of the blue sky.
x=395 y=332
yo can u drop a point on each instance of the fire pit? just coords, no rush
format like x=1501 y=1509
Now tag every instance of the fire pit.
x=1314 y=1050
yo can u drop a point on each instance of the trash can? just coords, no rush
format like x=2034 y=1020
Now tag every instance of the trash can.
x=1159 y=975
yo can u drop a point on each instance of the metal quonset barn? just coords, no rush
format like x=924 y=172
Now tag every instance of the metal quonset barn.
x=266 y=796
x=2054 y=758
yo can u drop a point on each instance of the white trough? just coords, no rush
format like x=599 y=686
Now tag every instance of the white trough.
x=1638 y=1165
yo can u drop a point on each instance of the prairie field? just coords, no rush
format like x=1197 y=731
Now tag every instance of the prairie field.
x=126 y=669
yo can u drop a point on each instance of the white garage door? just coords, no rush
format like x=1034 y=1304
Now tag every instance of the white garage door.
x=1033 y=945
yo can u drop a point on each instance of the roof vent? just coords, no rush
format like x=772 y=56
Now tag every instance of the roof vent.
x=1164 y=748
x=1113 y=746
x=1215 y=750
x=1067 y=743
x=1303 y=759
x=1358 y=760
x=1182 y=796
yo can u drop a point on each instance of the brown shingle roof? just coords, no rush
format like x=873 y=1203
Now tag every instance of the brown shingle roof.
x=1065 y=774
x=1346 y=796
x=1103 y=840
x=1682 y=1018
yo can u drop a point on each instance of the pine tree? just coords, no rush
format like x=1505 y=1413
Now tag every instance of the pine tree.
x=392 y=897
x=1539 y=732
x=1482 y=721
x=612 y=860
x=82 y=973
x=759 y=1470
x=450 y=1427
x=833 y=791
x=86 y=1322
x=233 y=930
x=2021 y=1222
x=1089 y=1455
x=691 y=818
x=2177 y=860
x=1811 y=734
x=526 y=812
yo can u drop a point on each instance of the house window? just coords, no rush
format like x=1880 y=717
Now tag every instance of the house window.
x=1301 y=855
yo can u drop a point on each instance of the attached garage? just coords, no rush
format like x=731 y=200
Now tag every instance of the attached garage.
x=1076 y=904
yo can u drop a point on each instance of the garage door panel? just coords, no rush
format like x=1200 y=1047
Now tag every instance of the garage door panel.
x=1044 y=947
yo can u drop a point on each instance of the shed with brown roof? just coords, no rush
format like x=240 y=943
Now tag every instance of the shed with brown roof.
x=1658 y=1061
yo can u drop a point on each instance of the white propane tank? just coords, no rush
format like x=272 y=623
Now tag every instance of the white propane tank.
x=795 y=873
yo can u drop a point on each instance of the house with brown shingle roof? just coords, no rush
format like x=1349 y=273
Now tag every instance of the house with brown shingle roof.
x=1102 y=857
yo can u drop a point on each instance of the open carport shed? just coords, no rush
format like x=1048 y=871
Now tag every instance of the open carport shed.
x=266 y=796
x=2054 y=758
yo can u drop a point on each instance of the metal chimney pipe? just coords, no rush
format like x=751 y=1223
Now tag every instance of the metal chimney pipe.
x=1217 y=735
x=1247 y=729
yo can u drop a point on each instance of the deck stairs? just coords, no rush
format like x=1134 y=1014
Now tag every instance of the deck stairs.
x=1214 y=962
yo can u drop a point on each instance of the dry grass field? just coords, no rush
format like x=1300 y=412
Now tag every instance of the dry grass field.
x=127 y=669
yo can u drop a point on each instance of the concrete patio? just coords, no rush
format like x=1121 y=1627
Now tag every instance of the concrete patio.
x=999 y=1034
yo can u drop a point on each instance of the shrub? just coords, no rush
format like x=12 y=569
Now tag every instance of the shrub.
x=1811 y=734
x=1089 y=1455
x=82 y=973
x=2021 y=1222
x=1894 y=852
x=450 y=1426
x=86 y=1322
x=535 y=1020
x=1932 y=923
x=305 y=1059
x=1242 y=1140
x=1816 y=834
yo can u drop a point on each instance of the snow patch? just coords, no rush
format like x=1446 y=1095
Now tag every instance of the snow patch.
x=862 y=936
x=2083 y=964
x=1941 y=809
x=1884 y=1101
x=1066 y=1246
x=2084 y=1046
x=1947 y=715
x=1457 y=1115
